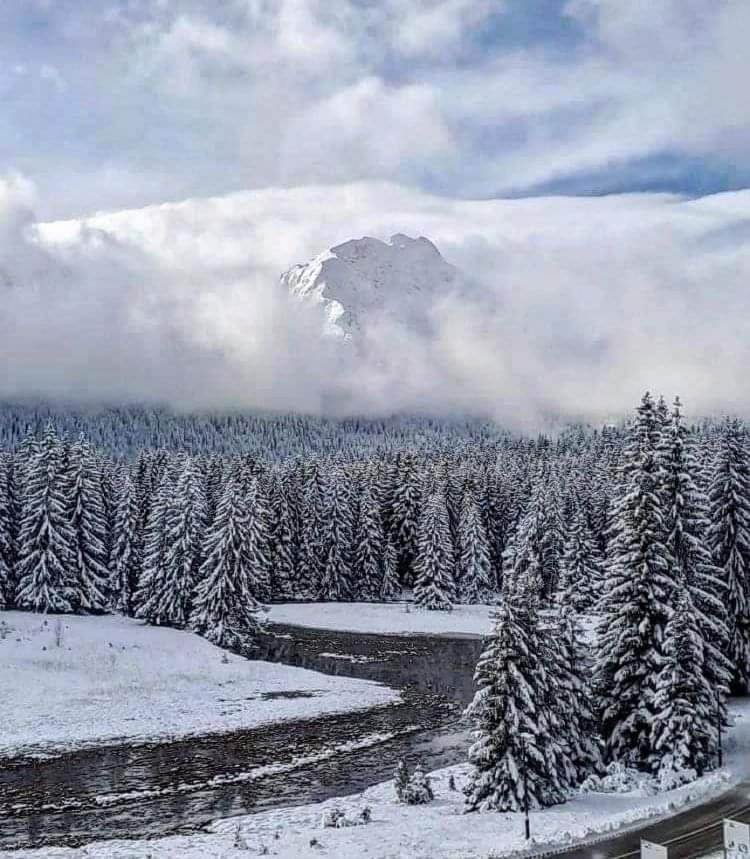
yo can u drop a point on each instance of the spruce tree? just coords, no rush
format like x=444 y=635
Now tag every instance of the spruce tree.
x=729 y=539
x=434 y=586
x=336 y=537
x=92 y=584
x=6 y=537
x=124 y=561
x=685 y=725
x=513 y=750
x=390 y=588
x=184 y=524
x=46 y=538
x=405 y=503
x=694 y=569
x=474 y=564
x=153 y=576
x=637 y=602
x=369 y=546
x=581 y=575
x=282 y=541
x=225 y=610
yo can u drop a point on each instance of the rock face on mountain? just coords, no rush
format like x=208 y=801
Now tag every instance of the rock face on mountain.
x=367 y=280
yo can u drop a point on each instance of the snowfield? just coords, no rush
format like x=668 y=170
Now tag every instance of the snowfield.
x=386 y=618
x=82 y=681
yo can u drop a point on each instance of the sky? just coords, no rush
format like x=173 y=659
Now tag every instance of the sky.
x=573 y=156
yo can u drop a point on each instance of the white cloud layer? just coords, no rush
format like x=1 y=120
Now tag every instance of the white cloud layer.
x=582 y=304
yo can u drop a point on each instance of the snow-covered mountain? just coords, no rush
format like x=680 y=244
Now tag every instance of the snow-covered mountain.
x=366 y=279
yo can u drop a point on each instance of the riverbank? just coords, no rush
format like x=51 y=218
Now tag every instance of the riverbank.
x=74 y=682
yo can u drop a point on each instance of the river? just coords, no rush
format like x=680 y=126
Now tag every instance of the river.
x=163 y=788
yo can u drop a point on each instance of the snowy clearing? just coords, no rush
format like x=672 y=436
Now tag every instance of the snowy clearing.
x=436 y=831
x=113 y=679
x=384 y=618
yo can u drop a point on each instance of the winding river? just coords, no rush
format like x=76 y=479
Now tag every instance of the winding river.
x=180 y=786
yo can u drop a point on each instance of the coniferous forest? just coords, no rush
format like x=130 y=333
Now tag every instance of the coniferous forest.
x=197 y=521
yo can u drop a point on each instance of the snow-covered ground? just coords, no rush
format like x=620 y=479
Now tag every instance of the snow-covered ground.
x=436 y=831
x=72 y=682
x=384 y=617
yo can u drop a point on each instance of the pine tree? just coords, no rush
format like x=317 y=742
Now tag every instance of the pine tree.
x=687 y=541
x=369 y=546
x=685 y=724
x=569 y=696
x=637 y=603
x=6 y=537
x=729 y=539
x=185 y=518
x=225 y=611
x=92 y=588
x=336 y=574
x=434 y=587
x=474 y=565
x=581 y=576
x=404 y=507
x=390 y=588
x=282 y=540
x=513 y=736
x=46 y=538
x=124 y=561
x=311 y=529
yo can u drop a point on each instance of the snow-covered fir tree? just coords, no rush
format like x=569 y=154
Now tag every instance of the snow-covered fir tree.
x=637 y=601
x=513 y=754
x=336 y=539
x=405 y=504
x=685 y=723
x=154 y=573
x=369 y=546
x=390 y=587
x=46 y=540
x=92 y=586
x=694 y=569
x=124 y=562
x=6 y=537
x=473 y=563
x=729 y=538
x=434 y=564
x=581 y=569
x=282 y=542
x=225 y=610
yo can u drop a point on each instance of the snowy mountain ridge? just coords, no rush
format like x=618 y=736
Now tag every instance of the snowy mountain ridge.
x=366 y=279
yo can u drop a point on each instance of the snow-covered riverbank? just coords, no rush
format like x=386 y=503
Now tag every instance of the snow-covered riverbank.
x=385 y=618
x=439 y=830
x=72 y=682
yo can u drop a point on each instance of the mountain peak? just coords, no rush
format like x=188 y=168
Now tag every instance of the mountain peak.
x=365 y=279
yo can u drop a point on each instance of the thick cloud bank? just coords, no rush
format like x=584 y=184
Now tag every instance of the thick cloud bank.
x=580 y=304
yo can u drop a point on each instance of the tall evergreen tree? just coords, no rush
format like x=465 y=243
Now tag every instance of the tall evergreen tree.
x=434 y=586
x=513 y=751
x=154 y=573
x=6 y=537
x=405 y=504
x=390 y=588
x=685 y=724
x=638 y=599
x=369 y=546
x=92 y=585
x=581 y=577
x=473 y=550
x=124 y=561
x=687 y=541
x=46 y=537
x=336 y=574
x=225 y=610
x=729 y=538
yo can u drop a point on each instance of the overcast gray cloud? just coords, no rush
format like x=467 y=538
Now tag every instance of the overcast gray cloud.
x=581 y=304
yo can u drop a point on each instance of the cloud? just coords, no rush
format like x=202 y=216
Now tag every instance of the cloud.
x=579 y=304
x=465 y=98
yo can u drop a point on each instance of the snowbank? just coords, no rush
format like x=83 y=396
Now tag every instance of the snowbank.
x=436 y=831
x=384 y=618
x=73 y=682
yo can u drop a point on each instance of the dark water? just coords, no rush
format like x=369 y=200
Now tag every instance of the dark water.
x=149 y=790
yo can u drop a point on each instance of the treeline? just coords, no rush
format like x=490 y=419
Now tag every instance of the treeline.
x=672 y=635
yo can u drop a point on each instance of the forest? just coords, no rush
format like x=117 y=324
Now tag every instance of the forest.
x=197 y=521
